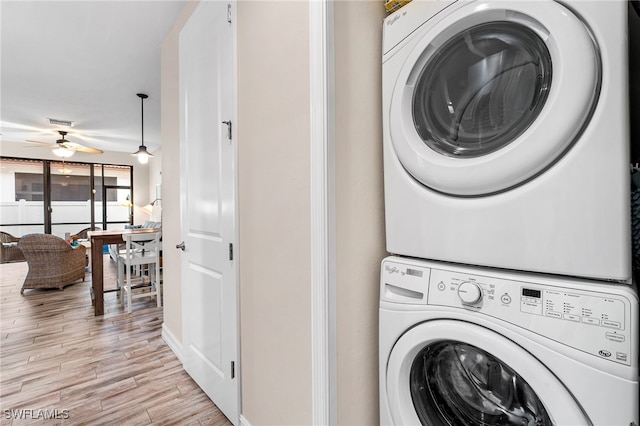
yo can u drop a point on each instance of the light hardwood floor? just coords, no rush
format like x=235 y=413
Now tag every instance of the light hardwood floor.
x=57 y=359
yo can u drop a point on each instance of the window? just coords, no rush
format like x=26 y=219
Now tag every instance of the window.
x=60 y=197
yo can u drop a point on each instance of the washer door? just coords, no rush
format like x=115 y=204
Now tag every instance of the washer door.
x=449 y=372
x=492 y=94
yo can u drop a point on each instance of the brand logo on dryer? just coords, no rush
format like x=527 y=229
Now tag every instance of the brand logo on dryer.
x=604 y=353
x=395 y=18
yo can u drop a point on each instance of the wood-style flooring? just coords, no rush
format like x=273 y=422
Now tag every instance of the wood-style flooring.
x=58 y=360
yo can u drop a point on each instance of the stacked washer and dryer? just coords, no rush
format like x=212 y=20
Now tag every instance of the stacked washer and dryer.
x=509 y=299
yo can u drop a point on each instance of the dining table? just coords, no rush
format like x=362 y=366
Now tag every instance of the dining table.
x=98 y=240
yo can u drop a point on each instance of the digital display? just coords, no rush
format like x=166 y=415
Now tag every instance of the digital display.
x=414 y=272
x=528 y=292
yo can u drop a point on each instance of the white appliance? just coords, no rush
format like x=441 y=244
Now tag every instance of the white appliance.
x=459 y=344
x=506 y=135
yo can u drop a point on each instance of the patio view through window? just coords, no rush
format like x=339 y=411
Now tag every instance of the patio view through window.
x=43 y=196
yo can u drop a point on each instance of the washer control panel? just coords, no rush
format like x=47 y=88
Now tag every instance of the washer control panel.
x=594 y=321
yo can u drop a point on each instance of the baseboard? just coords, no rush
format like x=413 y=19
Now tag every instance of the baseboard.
x=172 y=342
x=243 y=421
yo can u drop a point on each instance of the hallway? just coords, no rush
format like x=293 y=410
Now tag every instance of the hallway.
x=58 y=360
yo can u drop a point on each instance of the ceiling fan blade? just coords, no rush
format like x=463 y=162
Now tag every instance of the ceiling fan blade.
x=40 y=142
x=81 y=148
x=64 y=143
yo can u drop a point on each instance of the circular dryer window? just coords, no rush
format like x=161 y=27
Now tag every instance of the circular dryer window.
x=450 y=372
x=482 y=89
x=491 y=94
x=453 y=382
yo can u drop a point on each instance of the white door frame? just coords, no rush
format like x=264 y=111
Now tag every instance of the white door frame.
x=322 y=123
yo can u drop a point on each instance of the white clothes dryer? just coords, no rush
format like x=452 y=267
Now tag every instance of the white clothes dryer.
x=506 y=135
x=471 y=346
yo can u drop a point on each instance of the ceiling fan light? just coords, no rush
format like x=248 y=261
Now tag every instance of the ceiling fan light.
x=63 y=152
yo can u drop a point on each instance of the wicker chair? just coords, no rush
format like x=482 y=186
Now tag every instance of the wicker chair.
x=9 y=252
x=52 y=262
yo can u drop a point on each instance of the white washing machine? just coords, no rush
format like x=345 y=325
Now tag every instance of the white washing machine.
x=474 y=346
x=506 y=135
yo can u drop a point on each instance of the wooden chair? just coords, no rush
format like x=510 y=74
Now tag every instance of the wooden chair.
x=9 y=251
x=83 y=234
x=140 y=250
x=52 y=262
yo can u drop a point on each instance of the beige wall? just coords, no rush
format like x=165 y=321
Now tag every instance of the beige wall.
x=170 y=134
x=360 y=242
x=274 y=216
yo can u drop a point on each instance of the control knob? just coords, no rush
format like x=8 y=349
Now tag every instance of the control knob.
x=469 y=293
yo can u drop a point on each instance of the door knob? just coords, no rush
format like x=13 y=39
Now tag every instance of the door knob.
x=180 y=246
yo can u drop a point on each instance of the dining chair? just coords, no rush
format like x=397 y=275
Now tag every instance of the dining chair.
x=140 y=250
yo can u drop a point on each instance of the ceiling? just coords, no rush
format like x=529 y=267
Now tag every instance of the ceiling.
x=83 y=61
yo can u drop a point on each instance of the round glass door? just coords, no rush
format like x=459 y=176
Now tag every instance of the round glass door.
x=491 y=94
x=456 y=383
x=449 y=372
x=482 y=89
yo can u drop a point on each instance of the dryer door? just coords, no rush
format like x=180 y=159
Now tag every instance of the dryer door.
x=492 y=94
x=448 y=372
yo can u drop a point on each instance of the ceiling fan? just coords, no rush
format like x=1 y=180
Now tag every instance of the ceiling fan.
x=64 y=148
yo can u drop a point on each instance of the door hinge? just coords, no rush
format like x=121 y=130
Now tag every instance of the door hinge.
x=229 y=13
x=233 y=369
x=230 y=251
x=229 y=129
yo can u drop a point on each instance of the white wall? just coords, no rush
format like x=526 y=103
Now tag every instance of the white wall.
x=170 y=135
x=155 y=186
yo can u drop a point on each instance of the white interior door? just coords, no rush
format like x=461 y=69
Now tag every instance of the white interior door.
x=208 y=204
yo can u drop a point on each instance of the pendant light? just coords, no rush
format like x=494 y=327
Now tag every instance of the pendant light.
x=142 y=153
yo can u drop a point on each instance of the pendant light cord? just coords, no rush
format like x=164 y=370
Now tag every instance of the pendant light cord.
x=142 y=97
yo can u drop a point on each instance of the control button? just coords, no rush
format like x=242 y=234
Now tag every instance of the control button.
x=621 y=356
x=614 y=337
x=441 y=286
x=554 y=314
x=572 y=317
x=506 y=299
x=592 y=321
x=610 y=324
x=605 y=353
x=469 y=293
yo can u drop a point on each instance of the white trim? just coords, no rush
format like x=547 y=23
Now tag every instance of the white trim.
x=321 y=76
x=236 y=206
x=172 y=342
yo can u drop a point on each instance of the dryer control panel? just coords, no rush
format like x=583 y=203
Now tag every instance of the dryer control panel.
x=589 y=316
